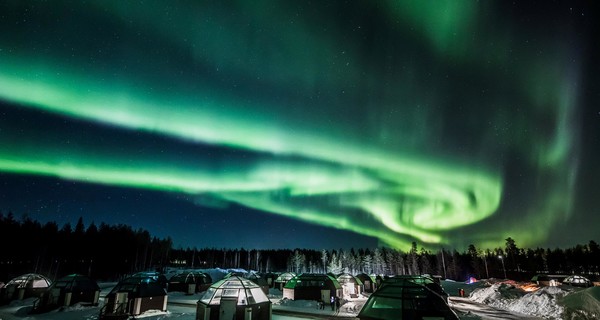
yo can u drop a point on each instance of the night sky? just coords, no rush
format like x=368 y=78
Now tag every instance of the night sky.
x=316 y=124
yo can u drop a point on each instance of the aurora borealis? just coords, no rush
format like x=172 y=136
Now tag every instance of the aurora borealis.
x=446 y=123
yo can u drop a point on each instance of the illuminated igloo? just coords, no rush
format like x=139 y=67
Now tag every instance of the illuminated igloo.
x=577 y=281
x=235 y=298
x=24 y=286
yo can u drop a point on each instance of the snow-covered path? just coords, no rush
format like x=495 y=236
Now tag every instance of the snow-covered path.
x=467 y=309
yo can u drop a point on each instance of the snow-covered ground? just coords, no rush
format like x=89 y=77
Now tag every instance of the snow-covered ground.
x=484 y=300
x=524 y=301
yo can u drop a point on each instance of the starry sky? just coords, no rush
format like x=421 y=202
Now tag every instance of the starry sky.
x=315 y=124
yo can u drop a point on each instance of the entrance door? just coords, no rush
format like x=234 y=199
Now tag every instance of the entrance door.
x=349 y=288
x=325 y=295
x=227 y=309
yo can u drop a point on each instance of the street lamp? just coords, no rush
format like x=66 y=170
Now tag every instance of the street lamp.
x=503 y=268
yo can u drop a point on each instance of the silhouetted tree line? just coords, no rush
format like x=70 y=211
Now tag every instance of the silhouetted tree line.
x=108 y=252
x=103 y=252
x=511 y=261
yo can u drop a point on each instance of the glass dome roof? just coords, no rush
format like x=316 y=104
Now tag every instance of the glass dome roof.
x=245 y=291
x=287 y=276
x=32 y=280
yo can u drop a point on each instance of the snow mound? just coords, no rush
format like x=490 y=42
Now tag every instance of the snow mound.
x=497 y=295
x=584 y=304
x=541 y=303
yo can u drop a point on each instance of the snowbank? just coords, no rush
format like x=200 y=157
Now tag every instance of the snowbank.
x=498 y=295
x=541 y=303
x=553 y=303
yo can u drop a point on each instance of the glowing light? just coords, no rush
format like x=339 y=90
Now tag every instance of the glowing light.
x=344 y=134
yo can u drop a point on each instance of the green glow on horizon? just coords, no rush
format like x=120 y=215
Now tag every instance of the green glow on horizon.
x=387 y=176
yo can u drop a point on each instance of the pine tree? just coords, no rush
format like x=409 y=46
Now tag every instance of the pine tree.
x=367 y=262
x=335 y=266
x=378 y=261
x=324 y=259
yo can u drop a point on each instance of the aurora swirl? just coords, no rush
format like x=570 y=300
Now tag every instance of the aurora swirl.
x=403 y=128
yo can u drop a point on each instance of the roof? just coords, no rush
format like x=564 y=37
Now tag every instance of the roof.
x=141 y=286
x=76 y=282
x=312 y=280
x=287 y=276
x=191 y=277
x=234 y=287
x=424 y=280
x=405 y=298
x=576 y=279
x=348 y=278
x=420 y=279
x=31 y=280
x=249 y=276
x=364 y=276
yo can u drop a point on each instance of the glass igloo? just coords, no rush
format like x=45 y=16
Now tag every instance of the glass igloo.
x=577 y=281
x=232 y=298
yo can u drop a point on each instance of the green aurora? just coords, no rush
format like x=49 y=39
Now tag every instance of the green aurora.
x=399 y=129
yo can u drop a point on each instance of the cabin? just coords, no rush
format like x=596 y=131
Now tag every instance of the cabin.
x=282 y=279
x=369 y=282
x=133 y=296
x=67 y=291
x=351 y=285
x=189 y=282
x=312 y=286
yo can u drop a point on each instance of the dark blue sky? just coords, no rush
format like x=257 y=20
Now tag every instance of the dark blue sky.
x=297 y=124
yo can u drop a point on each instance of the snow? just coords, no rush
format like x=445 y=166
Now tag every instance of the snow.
x=485 y=300
x=349 y=307
x=552 y=303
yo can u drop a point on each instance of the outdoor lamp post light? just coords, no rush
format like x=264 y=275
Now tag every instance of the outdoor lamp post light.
x=503 y=268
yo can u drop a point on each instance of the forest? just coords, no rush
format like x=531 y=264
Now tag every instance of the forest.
x=111 y=252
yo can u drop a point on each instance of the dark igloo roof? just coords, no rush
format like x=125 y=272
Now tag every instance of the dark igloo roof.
x=76 y=282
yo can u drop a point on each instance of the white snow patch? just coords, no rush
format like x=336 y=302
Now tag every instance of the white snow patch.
x=541 y=303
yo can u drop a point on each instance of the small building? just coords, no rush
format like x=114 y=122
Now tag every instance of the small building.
x=282 y=279
x=189 y=282
x=312 y=286
x=269 y=277
x=351 y=285
x=24 y=286
x=234 y=298
x=548 y=280
x=369 y=282
x=67 y=291
x=405 y=300
x=133 y=296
